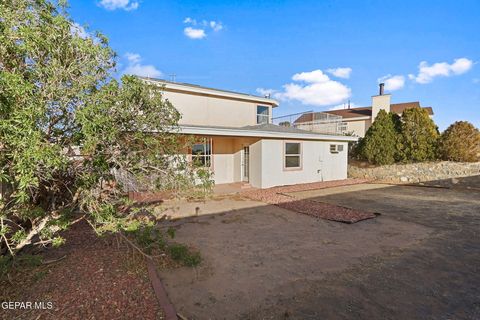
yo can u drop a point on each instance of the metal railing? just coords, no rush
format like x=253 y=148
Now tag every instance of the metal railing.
x=320 y=122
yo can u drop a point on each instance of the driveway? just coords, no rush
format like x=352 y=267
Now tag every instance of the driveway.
x=419 y=259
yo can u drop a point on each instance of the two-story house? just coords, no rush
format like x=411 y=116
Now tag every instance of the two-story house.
x=237 y=141
x=358 y=120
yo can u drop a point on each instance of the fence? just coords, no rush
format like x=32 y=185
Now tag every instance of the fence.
x=320 y=122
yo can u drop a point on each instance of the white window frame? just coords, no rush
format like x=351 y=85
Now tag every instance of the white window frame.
x=262 y=118
x=299 y=155
x=207 y=155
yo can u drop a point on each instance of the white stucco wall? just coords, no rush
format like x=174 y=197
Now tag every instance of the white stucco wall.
x=214 y=111
x=256 y=163
x=318 y=164
x=267 y=162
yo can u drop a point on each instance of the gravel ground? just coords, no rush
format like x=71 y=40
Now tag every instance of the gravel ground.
x=96 y=280
x=438 y=279
x=278 y=196
x=256 y=257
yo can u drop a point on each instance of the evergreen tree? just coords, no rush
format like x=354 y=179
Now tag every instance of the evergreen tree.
x=419 y=136
x=379 y=146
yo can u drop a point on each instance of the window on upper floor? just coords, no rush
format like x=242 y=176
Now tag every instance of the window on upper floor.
x=263 y=114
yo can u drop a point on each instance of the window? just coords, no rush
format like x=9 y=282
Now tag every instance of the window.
x=293 y=155
x=336 y=148
x=263 y=114
x=202 y=153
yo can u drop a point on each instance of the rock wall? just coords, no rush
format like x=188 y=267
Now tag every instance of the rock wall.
x=415 y=172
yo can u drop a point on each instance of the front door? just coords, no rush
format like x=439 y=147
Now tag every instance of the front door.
x=246 y=163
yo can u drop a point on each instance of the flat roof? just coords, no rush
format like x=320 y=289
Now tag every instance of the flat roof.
x=193 y=88
x=262 y=131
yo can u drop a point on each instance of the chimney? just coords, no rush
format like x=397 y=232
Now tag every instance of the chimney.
x=381 y=86
x=380 y=102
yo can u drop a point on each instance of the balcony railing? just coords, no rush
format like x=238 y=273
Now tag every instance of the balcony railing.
x=320 y=122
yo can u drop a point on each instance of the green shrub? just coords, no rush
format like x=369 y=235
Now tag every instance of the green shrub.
x=181 y=253
x=148 y=238
x=9 y=263
x=379 y=146
x=460 y=142
x=419 y=136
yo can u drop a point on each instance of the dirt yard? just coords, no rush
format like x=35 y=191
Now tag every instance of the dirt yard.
x=420 y=259
x=94 y=278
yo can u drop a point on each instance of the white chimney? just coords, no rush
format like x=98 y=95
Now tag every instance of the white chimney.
x=380 y=102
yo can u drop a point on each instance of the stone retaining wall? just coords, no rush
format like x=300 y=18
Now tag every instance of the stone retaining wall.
x=415 y=172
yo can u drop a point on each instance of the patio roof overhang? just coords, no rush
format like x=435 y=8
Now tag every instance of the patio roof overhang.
x=244 y=132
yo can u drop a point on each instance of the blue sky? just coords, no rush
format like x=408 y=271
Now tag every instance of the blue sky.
x=310 y=55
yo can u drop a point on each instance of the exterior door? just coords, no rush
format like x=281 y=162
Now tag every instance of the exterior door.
x=246 y=164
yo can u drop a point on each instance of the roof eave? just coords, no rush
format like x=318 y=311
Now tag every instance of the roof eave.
x=211 y=91
x=194 y=130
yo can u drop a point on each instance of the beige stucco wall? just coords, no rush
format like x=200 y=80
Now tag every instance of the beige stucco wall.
x=358 y=127
x=214 y=111
x=227 y=158
x=379 y=103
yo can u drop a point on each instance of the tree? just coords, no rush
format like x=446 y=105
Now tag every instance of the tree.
x=419 y=136
x=67 y=128
x=460 y=142
x=285 y=124
x=379 y=146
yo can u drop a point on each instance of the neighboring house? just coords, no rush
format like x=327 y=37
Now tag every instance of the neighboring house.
x=358 y=120
x=236 y=139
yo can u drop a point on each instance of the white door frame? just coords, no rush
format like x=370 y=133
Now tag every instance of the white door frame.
x=245 y=163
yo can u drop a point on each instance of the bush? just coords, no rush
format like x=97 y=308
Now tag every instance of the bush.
x=379 y=146
x=460 y=142
x=419 y=136
x=9 y=263
x=181 y=253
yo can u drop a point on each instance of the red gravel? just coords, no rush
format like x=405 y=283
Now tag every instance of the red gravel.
x=96 y=280
x=277 y=196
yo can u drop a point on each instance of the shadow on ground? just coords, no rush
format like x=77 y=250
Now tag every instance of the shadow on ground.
x=419 y=260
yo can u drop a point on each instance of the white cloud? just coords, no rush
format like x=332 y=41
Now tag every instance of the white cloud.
x=190 y=20
x=393 y=83
x=313 y=88
x=426 y=72
x=77 y=29
x=265 y=92
x=193 y=33
x=216 y=25
x=200 y=30
x=135 y=67
x=126 y=5
x=311 y=77
x=340 y=72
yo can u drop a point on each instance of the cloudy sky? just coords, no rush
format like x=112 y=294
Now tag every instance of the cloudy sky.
x=310 y=55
